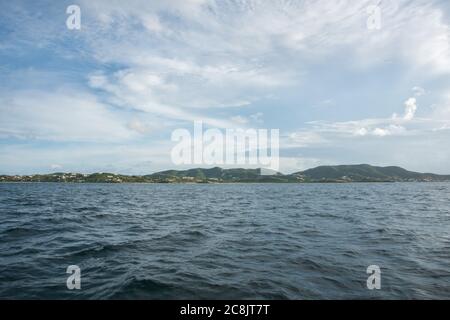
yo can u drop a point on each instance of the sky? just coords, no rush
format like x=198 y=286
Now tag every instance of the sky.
x=107 y=97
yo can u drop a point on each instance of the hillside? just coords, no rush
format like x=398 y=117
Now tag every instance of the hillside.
x=365 y=172
x=342 y=173
x=217 y=174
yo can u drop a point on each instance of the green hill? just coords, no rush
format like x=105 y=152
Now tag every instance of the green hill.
x=343 y=173
x=365 y=172
x=217 y=174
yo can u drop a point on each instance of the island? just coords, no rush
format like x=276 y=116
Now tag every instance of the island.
x=321 y=174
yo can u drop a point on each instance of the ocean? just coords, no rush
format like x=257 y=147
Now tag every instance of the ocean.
x=225 y=241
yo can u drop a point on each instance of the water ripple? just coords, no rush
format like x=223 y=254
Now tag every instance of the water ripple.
x=231 y=241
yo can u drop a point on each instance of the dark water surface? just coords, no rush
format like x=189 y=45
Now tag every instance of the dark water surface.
x=241 y=241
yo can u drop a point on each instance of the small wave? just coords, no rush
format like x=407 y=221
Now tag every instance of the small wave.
x=88 y=209
x=100 y=250
x=144 y=289
x=21 y=232
x=311 y=265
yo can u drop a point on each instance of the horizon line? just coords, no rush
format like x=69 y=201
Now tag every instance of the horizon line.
x=209 y=168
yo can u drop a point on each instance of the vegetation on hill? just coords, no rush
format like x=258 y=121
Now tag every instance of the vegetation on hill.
x=342 y=173
x=365 y=172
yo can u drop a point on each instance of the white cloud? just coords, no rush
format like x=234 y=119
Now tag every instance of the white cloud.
x=361 y=131
x=239 y=119
x=418 y=91
x=441 y=110
x=406 y=125
x=227 y=53
x=64 y=115
x=144 y=127
x=387 y=131
x=410 y=109
x=150 y=93
x=303 y=138
x=152 y=23
x=203 y=54
x=87 y=158
x=257 y=117
x=380 y=132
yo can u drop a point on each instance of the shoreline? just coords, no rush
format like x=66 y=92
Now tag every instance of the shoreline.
x=221 y=183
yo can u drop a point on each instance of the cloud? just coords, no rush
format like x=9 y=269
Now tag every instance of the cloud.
x=406 y=125
x=142 y=127
x=418 y=91
x=121 y=157
x=157 y=92
x=65 y=115
x=303 y=138
x=147 y=92
x=257 y=117
x=328 y=102
x=441 y=110
x=239 y=119
x=311 y=27
x=410 y=109
x=387 y=131
x=361 y=132
x=183 y=55
x=214 y=54
x=152 y=23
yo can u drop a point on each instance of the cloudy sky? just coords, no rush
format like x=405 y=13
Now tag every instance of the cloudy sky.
x=108 y=96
